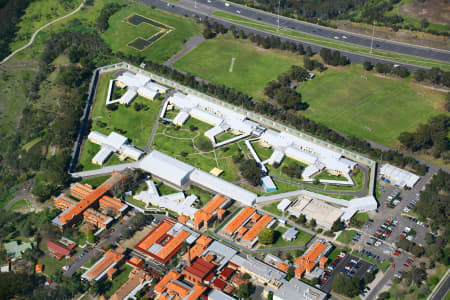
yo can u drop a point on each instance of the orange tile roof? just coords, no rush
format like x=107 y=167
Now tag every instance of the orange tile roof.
x=308 y=259
x=135 y=260
x=95 y=215
x=255 y=217
x=203 y=240
x=38 y=268
x=239 y=219
x=108 y=259
x=179 y=289
x=111 y=271
x=214 y=204
x=254 y=231
x=173 y=244
x=198 y=291
x=323 y=260
x=283 y=267
x=160 y=287
x=91 y=198
x=136 y=277
x=221 y=211
x=183 y=219
x=242 y=231
x=155 y=235
x=64 y=202
x=114 y=203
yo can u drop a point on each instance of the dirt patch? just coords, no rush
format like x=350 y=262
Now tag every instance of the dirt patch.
x=137 y=237
x=436 y=11
x=404 y=36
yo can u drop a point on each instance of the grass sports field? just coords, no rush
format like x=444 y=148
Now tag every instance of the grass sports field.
x=120 y=32
x=252 y=69
x=348 y=99
x=362 y=104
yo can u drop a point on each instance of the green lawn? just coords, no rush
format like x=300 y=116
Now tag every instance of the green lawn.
x=359 y=219
x=21 y=206
x=133 y=201
x=329 y=42
x=358 y=180
x=179 y=143
x=253 y=67
x=95 y=182
x=224 y=136
x=120 y=33
x=136 y=125
x=302 y=238
x=263 y=152
x=52 y=265
x=203 y=196
x=119 y=280
x=346 y=236
x=272 y=207
x=359 y=103
x=327 y=176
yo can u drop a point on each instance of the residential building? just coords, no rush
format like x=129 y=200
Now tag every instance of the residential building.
x=110 y=260
x=198 y=270
x=14 y=250
x=137 y=279
x=58 y=250
x=238 y=221
x=306 y=263
x=171 y=287
x=251 y=237
x=207 y=214
x=295 y=289
x=290 y=234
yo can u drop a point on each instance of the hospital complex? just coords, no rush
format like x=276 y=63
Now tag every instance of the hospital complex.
x=211 y=265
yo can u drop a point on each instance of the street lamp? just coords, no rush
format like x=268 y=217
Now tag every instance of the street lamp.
x=279 y=4
x=373 y=33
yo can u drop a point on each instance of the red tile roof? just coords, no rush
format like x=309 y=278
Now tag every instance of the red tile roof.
x=58 y=249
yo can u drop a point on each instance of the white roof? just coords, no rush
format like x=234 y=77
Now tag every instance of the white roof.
x=97 y=137
x=290 y=234
x=313 y=208
x=258 y=267
x=296 y=289
x=131 y=80
x=115 y=140
x=131 y=152
x=268 y=183
x=205 y=116
x=147 y=92
x=181 y=118
x=284 y=204
x=211 y=133
x=274 y=139
x=218 y=295
x=129 y=95
x=303 y=156
x=277 y=157
x=180 y=101
x=399 y=176
x=102 y=155
x=156 y=86
x=166 y=167
x=223 y=187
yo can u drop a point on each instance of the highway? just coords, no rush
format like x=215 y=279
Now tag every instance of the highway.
x=187 y=8
x=325 y=32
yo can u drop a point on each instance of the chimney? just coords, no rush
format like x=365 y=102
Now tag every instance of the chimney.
x=189 y=256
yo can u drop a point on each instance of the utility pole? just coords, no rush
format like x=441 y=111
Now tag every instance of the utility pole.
x=195 y=3
x=279 y=4
x=373 y=33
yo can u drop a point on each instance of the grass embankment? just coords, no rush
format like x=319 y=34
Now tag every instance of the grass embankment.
x=331 y=43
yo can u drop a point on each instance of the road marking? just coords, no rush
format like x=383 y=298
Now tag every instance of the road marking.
x=232 y=64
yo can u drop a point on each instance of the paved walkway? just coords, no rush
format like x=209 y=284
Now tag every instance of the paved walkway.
x=188 y=46
x=39 y=30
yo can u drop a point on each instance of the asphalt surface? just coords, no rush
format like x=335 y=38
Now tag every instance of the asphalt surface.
x=325 y=32
x=188 y=8
x=188 y=46
x=443 y=290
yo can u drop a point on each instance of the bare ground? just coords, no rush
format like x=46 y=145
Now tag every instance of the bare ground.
x=405 y=36
x=435 y=11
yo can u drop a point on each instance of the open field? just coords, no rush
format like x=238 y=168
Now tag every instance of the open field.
x=272 y=208
x=52 y=265
x=120 y=33
x=330 y=43
x=21 y=206
x=253 y=68
x=362 y=104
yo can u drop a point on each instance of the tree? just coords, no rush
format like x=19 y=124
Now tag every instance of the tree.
x=346 y=286
x=302 y=219
x=420 y=75
x=338 y=225
x=266 y=236
x=243 y=290
x=418 y=251
x=90 y=236
x=313 y=223
x=384 y=296
x=204 y=144
x=250 y=171
x=207 y=33
x=291 y=271
x=367 y=66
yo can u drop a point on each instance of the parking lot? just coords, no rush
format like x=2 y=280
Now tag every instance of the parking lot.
x=349 y=265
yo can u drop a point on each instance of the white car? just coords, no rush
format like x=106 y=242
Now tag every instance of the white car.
x=238 y=11
x=336 y=37
x=344 y=37
x=227 y=4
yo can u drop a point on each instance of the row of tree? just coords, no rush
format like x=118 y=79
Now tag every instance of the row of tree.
x=107 y=11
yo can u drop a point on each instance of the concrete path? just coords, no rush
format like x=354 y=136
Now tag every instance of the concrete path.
x=39 y=30
x=188 y=46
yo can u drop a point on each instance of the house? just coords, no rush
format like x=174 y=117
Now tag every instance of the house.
x=14 y=250
x=58 y=250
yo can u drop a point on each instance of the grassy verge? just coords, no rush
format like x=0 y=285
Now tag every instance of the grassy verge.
x=272 y=208
x=52 y=265
x=119 y=280
x=95 y=182
x=346 y=236
x=330 y=43
x=21 y=206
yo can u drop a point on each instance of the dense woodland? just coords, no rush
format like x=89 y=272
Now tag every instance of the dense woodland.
x=10 y=13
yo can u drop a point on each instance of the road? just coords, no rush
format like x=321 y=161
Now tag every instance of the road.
x=188 y=46
x=39 y=30
x=321 y=31
x=186 y=8
x=443 y=290
x=112 y=238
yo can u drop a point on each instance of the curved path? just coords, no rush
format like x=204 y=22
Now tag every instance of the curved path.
x=39 y=29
